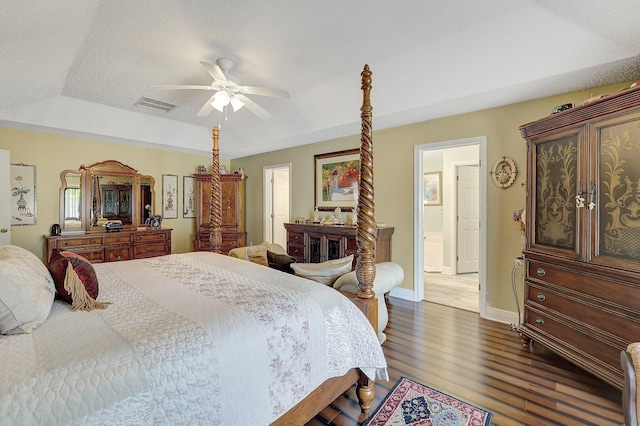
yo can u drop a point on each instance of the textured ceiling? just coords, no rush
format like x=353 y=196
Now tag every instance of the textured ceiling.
x=77 y=68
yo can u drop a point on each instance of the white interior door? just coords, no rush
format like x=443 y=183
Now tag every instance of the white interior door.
x=5 y=211
x=277 y=204
x=280 y=205
x=468 y=215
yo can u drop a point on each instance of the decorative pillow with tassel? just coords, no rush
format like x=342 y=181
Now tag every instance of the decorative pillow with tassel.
x=75 y=280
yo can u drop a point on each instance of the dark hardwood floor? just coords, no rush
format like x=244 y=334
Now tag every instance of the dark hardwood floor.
x=483 y=363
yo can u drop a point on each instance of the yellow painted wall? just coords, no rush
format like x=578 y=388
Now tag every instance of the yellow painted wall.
x=393 y=166
x=51 y=154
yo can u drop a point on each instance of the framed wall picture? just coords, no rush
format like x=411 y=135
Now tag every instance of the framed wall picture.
x=432 y=189
x=188 y=196
x=23 y=194
x=337 y=180
x=170 y=196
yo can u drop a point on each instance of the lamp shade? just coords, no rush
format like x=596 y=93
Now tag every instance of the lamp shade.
x=236 y=103
x=220 y=100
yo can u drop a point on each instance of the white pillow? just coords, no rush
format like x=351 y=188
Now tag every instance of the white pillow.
x=324 y=272
x=26 y=290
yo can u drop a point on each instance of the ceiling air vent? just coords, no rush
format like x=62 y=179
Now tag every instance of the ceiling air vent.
x=154 y=104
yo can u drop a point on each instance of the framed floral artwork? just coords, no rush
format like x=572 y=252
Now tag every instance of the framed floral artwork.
x=188 y=196
x=432 y=189
x=23 y=194
x=337 y=179
x=169 y=196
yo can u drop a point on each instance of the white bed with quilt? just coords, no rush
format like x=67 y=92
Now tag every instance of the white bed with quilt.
x=195 y=338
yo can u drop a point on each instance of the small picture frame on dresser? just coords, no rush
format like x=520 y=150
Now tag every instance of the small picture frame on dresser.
x=155 y=221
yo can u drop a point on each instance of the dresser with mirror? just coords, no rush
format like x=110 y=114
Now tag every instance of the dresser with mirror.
x=104 y=196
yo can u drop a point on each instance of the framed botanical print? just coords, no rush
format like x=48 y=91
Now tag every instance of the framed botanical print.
x=188 y=196
x=169 y=196
x=23 y=194
x=432 y=189
x=337 y=179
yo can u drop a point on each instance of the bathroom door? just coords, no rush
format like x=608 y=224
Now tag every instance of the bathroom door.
x=468 y=209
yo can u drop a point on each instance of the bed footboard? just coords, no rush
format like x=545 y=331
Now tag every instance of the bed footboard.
x=330 y=390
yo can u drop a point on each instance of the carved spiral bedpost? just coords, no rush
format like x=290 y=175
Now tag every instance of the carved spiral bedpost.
x=215 y=204
x=366 y=235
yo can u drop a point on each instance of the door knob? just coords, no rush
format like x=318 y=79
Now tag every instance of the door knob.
x=3 y=230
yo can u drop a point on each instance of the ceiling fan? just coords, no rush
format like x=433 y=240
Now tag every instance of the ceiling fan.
x=229 y=91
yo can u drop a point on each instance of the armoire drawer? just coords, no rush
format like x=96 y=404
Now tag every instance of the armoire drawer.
x=625 y=295
x=573 y=337
x=615 y=324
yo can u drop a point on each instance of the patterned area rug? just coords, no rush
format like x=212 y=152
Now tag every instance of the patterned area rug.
x=410 y=403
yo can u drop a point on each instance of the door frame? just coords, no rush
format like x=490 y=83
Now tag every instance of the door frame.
x=268 y=197
x=418 y=226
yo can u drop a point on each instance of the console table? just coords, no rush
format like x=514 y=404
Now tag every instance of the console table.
x=314 y=243
x=113 y=246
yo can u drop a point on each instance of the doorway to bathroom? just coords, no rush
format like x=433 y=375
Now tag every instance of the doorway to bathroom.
x=450 y=266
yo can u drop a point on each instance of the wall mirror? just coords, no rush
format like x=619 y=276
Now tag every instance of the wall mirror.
x=71 y=208
x=105 y=192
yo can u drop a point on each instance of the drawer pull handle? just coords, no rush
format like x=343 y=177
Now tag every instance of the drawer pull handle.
x=539 y=321
x=540 y=272
x=540 y=297
x=295 y=238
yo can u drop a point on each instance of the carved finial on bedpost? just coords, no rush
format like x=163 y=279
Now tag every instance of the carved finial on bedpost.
x=366 y=236
x=215 y=204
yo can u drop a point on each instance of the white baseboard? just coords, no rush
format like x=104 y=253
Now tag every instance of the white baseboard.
x=493 y=314
x=500 y=315
x=403 y=293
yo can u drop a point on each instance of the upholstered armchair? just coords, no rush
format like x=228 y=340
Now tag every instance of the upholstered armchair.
x=388 y=276
x=244 y=253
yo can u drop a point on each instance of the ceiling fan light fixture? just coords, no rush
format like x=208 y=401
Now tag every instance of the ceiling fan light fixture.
x=220 y=100
x=236 y=103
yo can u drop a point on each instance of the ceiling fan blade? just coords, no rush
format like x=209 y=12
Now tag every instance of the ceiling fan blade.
x=206 y=108
x=262 y=91
x=254 y=107
x=178 y=86
x=214 y=71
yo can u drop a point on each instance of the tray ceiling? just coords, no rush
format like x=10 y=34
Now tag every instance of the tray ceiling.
x=78 y=68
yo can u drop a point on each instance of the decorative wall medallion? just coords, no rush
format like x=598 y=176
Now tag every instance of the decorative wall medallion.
x=504 y=172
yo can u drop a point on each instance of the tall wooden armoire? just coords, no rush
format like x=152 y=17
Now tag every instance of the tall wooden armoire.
x=582 y=286
x=233 y=212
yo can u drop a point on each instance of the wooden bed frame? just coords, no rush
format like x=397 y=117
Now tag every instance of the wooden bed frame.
x=365 y=299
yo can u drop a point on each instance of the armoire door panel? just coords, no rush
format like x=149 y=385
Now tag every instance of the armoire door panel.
x=616 y=183
x=558 y=186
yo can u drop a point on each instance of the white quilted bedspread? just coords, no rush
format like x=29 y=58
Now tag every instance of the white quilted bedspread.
x=190 y=339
